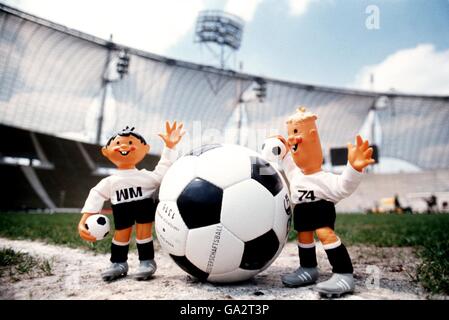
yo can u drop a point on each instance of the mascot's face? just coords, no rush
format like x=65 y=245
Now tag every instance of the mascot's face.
x=305 y=146
x=125 y=151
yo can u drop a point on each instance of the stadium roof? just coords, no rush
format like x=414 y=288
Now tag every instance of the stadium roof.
x=52 y=75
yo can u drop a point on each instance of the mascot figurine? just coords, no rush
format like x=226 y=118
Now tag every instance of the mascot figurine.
x=314 y=194
x=132 y=195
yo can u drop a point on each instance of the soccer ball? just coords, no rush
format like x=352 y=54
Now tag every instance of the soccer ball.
x=224 y=213
x=98 y=225
x=273 y=150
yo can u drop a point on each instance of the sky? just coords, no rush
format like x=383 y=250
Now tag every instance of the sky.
x=403 y=44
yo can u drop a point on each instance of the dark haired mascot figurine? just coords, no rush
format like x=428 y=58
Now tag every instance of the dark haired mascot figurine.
x=131 y=192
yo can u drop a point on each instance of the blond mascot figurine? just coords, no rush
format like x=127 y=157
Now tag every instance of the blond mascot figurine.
x=314 y=194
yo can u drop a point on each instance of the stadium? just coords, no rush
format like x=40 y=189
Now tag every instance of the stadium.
x=63 y=93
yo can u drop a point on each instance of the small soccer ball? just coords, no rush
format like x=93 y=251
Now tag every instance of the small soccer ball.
x=224 y=213
x=273 y=150
x=98 y=225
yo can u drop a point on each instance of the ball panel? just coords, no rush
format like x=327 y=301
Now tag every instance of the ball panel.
x=247 y=209
x=177 y=178
x=278 y=252
x=170 y=228
x=188 y=267
x=214 y=249
x=200 y=203
x=266 y=175
x=233 y=276
x=101 y=221
x=282 y=215
x=236 y=149
x=203 y=149
x=260 y=251
x=224 y=168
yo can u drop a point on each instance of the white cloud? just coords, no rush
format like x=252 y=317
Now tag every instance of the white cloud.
x=299 y=7
x=244 y=9
x=421 y=70
x=152 y=25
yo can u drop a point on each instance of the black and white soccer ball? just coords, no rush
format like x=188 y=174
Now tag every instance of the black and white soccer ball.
x=98 y=225
x=273 y=150
x=224 y=213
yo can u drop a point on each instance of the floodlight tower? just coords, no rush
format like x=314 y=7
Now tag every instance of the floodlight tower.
x=220 y=33
x=120 y=58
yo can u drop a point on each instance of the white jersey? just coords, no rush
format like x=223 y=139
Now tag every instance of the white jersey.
x=321 y=185
x=129 y=185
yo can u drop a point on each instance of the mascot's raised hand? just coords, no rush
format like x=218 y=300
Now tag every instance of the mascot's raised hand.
x=173 y=134
x=360 y=155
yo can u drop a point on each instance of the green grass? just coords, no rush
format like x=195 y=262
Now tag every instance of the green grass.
x=16 y=264
x=391 y=230
x=428 y=233
x=433 y=272
x=58 y=229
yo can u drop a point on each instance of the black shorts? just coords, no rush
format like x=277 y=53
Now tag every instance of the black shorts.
x=128 y=213
x=309 y=216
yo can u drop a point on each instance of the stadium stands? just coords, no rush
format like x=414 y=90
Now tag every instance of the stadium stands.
x=149 y=162
x=16 y=143
x=67 y=182
x=62 y=99
x=63 y=153
x=17 y=193
x=375 y=187
x=67 y=189
x=94 y=152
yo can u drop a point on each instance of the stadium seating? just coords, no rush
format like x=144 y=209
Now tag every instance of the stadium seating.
x=149 y=162
x=63 y=153
x=54 y=86
x=69 y=179
x=68 y=184
x=18 y=143
x=375 y=187
x=18 y=193
x=94 y=152
x=67 y=188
